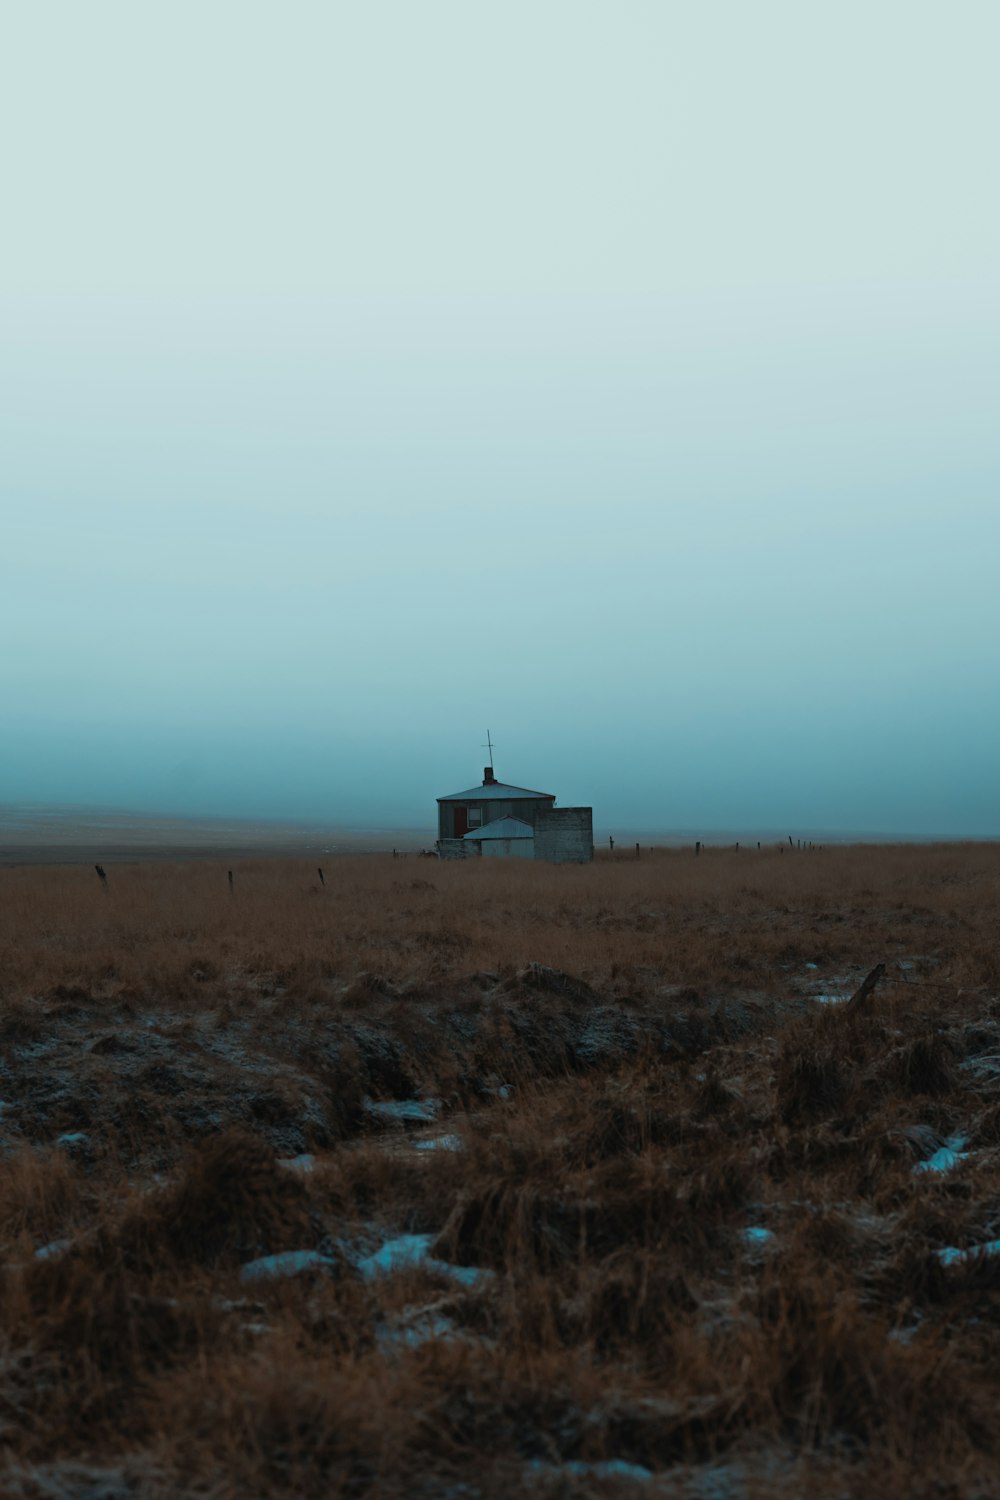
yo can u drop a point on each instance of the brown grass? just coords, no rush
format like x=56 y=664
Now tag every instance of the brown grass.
x=166 y=1048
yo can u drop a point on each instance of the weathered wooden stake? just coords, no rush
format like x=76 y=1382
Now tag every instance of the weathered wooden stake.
x=611 y=843
x=230 y=874
x=319 y=872
x=101 y=877
x=637 y=851
x=790 y=844
x=697 y=847
x=868 y=984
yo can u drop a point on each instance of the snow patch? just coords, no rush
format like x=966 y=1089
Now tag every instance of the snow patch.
x=304 y=1163
x=51 y=1250
x=408 y=1252
x=415 y=1111
x=946 y=1157
x=285 y=1263
x=439 y=1143
x=952 y=1257
x=611 y=1468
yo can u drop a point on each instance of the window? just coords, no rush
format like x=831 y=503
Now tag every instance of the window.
x=475 y=817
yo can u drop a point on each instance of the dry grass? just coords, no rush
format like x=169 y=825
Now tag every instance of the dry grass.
x=165 y=1048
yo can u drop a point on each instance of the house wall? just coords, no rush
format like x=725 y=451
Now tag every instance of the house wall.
x=527 y=809
x=565 y=835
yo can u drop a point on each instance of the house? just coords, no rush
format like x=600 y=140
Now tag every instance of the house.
x=496 y=820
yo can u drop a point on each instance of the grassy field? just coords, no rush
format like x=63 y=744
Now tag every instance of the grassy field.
x=487 y=1179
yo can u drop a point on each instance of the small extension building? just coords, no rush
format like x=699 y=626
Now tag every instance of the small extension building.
x=510 y=822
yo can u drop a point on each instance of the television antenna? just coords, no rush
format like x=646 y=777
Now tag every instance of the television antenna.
x=489 y=746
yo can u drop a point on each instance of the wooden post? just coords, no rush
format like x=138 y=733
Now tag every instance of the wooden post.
x=611 y=842
x=758 y=843
x=319 y=872
x=697 y=847
x=102 y=877
x=230 y=874
x=637 y=851
x=790 y=844
x=868 y=984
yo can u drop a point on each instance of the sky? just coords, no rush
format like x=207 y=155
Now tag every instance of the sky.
x=620 y=377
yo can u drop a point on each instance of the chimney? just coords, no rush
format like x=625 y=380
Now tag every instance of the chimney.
x=488 y=778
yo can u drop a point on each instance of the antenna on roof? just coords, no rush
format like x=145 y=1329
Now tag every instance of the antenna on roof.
x=489 y=746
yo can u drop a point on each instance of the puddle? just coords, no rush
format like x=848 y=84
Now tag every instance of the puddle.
x=285 y=1263
x=409 y=1111
x=409 y=1252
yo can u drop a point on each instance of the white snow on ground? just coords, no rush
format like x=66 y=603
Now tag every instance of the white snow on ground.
x=611 y=1468
x=952 y=1257
x=56 y=1247
x=304 y=1163
x=410 y=1252
x=285 y=1263
x=419 y=1330
x=417 y=1111
x=946 y=1157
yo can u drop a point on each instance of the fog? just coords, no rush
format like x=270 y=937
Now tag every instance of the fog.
x=622 y=379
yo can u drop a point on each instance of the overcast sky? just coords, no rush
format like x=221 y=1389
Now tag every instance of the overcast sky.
x=622 y=377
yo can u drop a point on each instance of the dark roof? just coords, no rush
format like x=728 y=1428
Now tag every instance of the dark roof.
x=497 y=791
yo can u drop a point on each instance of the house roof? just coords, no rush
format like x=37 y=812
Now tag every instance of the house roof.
x=495 y=791
x=502 y=828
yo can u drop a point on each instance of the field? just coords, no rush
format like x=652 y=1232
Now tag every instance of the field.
x=480 y=1180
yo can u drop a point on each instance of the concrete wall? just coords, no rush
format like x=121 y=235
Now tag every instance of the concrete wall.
x=565 y=835
x=456 y=849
